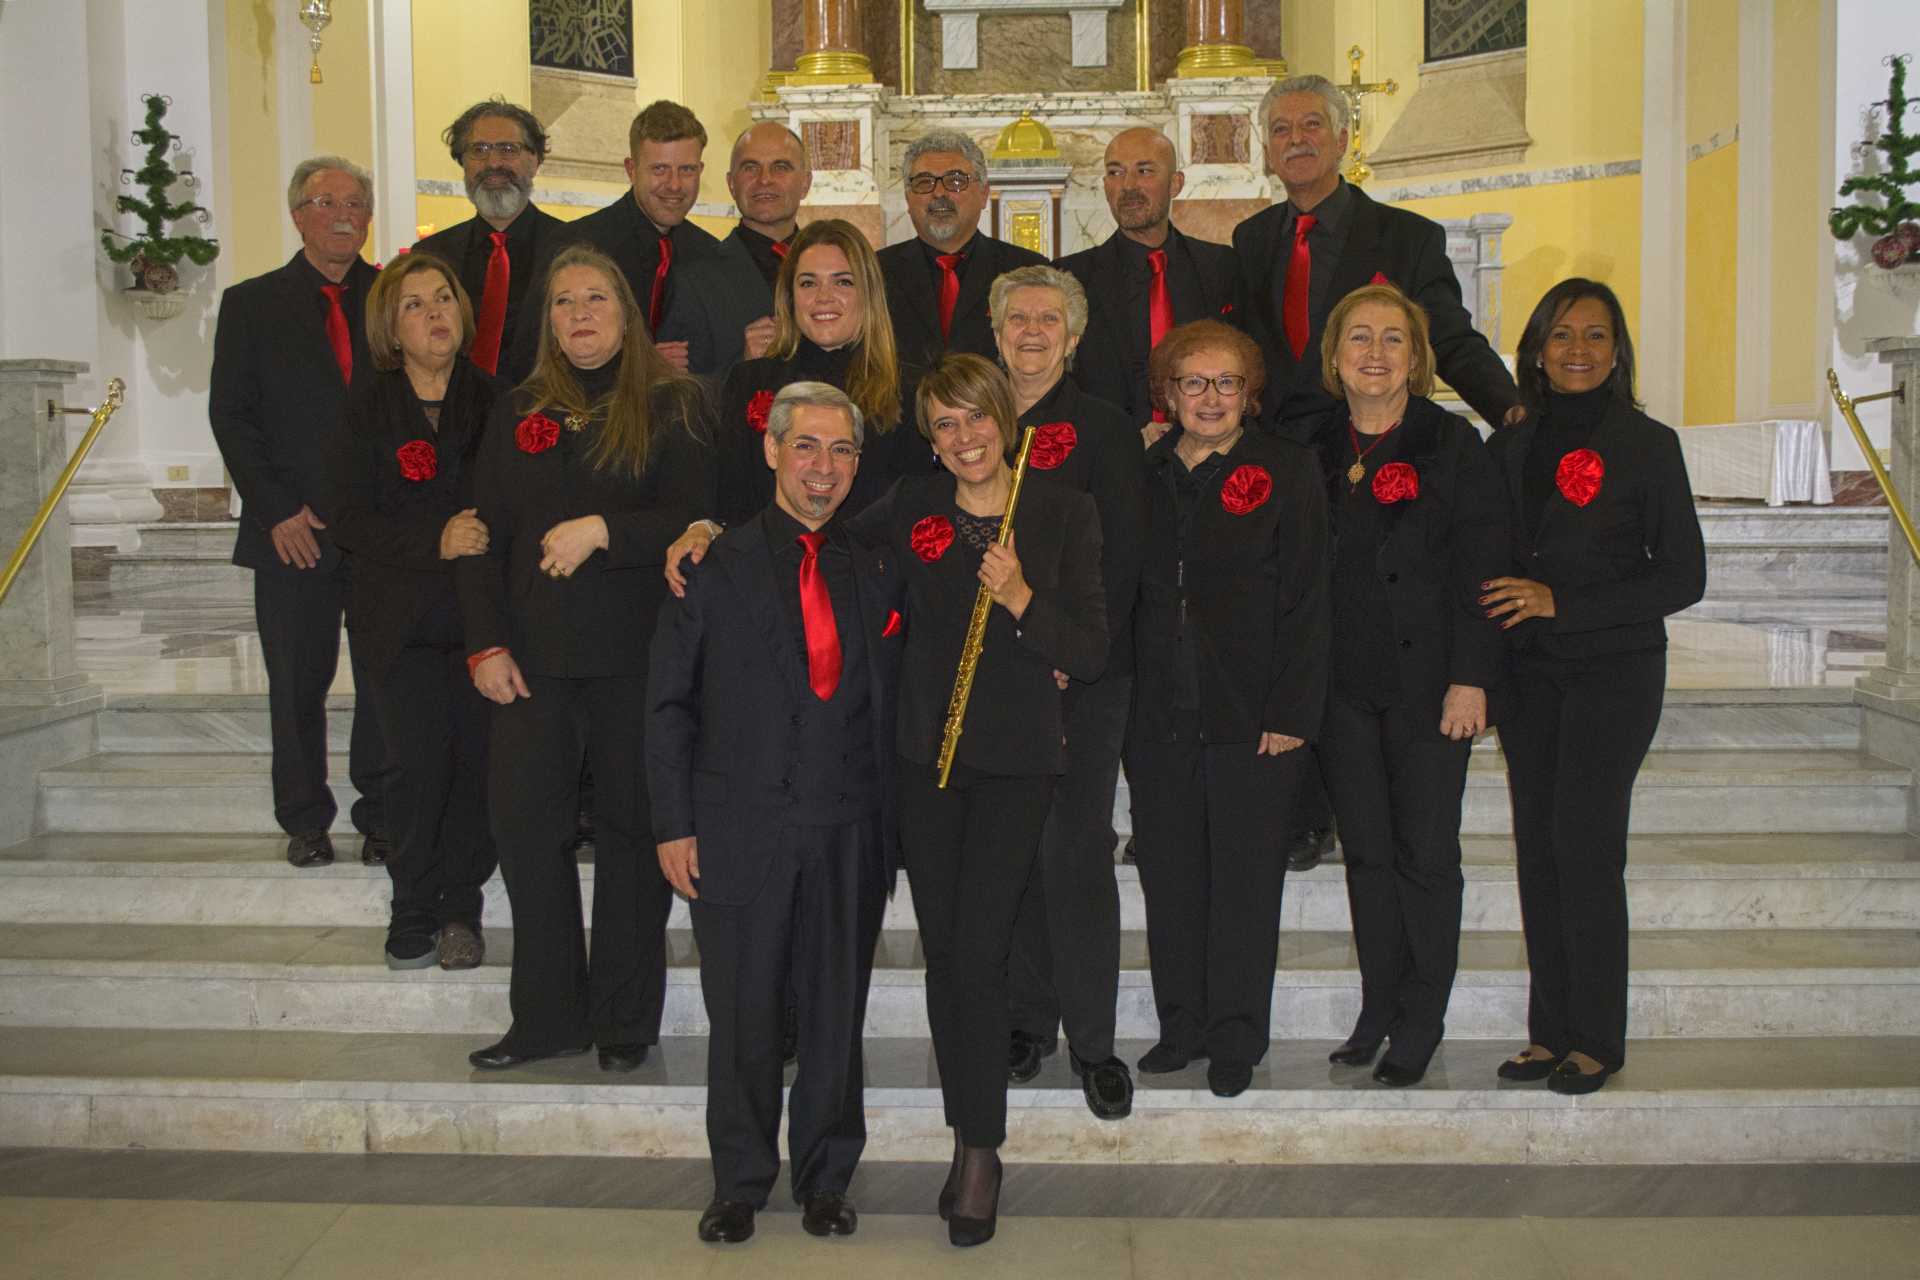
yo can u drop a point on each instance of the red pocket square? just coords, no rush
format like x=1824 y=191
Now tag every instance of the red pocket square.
x=893 y=623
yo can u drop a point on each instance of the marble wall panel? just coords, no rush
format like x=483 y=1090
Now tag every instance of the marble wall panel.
x=1220 y=139
x=867 y=217
x=1857 y=489
x=1019 y=53
x=832 y=144
x=789 y=25
x=1215 y=219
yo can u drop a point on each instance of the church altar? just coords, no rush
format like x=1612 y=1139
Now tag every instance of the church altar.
x=1778 y=461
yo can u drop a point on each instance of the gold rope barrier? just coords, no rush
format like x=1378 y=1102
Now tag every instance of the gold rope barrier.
x=1879 y=468
x=116 y=393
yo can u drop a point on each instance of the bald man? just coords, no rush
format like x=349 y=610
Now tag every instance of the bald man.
x=1146 y=258
x=723 y=305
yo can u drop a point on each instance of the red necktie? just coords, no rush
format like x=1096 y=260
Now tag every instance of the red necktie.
x=337 y=334
x=493 y=305
x=780 y=248
x=659 y=302
x=816 y=613
x=1159 y=309
x=949 y=290
x=1293 y=304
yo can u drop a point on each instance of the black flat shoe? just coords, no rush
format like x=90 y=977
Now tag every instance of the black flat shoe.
x=622 y=1057
x=1305 y=850
x=1395 y=1076
x=310 y=849
x=1167 y=1056
x=1025 y=1054
x=1229 y=1079
x=964 y=1232
x=829 y=1213
x=497 y=1057
x=727 y=1222
x=375 y=849
x=1354 y=1053
x=1107 y=1086
x=1570 y=1079
x=1527 y=1070
x=1128 y=856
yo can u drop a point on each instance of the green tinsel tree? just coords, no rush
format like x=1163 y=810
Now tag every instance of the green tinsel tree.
x=1893 y=220
x=153 y=253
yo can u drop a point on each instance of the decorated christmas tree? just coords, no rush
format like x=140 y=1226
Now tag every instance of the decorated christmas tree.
x=1896 y=219
x=153 y=253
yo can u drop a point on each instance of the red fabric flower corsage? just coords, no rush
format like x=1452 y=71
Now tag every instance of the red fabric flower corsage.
x=1579 y=476
x=419 y=462
x=758 y=410
x=1379 y=277
x=536 y=433
x=1246 y=488
x=931 y=537
x=1396 y=482
x=892 y=628
x=1051 y=445
x=1226 y=308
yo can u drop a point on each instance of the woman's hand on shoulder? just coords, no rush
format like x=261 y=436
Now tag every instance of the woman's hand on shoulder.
x=691 y=546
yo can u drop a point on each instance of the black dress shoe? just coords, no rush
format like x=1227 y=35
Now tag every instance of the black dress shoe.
x=1306 y=849
x=375 y=849
x=1570 y=1079
x=1106 y=1085
x=727 y=1222
x=497 y=1057
x=1025 y=1055
x=1395 y=1076
x=1128 y=856
x=1229 y=1079
x=1354 y=1053
x=1528 y=1070
x=310 y=849
x=622 y=1057
x=829 y=1213
x=1167 y=1056
x=964 y=1232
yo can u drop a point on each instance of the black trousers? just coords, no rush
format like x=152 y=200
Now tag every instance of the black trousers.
x=435 y=726
x=558 y=1000
x=1396 y=787
x=1313 y=808
x=1066 y=942
x=814 y=921
x=298 y=614
x=1212 y=875
x=1574 y=746
x=970 y=850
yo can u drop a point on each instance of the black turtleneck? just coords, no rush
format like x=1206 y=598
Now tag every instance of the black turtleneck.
x=1567 y=422
x=598 y=383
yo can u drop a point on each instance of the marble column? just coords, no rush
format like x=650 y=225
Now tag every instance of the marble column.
x=37 y=660
x=1216 y=41
x=1889 y=696
x=832 y=53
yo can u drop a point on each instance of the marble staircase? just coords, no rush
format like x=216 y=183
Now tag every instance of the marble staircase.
x=1758 y=553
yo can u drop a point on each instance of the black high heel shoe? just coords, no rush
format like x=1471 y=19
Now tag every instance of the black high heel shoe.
x=964 y=1232
x=951 y=1190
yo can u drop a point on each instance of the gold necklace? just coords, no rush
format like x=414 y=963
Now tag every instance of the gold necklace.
x=1358 y=471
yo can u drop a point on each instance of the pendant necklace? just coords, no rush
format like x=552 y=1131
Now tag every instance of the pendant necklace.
x=577 y=421
x=1358 y=471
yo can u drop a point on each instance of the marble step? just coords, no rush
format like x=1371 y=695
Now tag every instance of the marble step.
x=1705 y=983
x=1818 y=571
x=1724 y=791
x=188 y=539
x=1733 y=525
x=1673 y=882
x=1678 y=1102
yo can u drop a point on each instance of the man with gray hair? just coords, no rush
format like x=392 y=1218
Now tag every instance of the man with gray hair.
x=770 y=760
x=937 y=282
x=285 y=349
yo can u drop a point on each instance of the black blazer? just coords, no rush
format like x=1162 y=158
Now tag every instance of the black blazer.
x=915 y=303
x=1103 y=461
x=1014 y=724
x=277 y=404
x=1435 y=551
x=624 y=233
x=392 y=524
x=596 y=622
x=550 y=235
x=708 y=307
x=1411 y=252
x=1255 y=599
x=1106 y=363
x=1619 y=565
x=724 y=683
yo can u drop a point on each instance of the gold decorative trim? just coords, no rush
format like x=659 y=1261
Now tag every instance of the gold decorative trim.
x=1215 y=60
x=1142 y=46
x=906 y=48
x=832 y=66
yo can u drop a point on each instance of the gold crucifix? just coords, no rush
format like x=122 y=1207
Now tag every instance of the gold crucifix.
x=1353 y=91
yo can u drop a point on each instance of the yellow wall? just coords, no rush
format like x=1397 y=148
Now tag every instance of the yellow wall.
x=1800 y=236
x=1713 y=312
x=250 y=236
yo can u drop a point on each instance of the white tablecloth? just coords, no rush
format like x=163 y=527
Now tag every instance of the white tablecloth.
x=1782 y=460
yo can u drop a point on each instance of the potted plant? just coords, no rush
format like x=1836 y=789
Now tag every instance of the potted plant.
x=1896 y=219
x=153 y=254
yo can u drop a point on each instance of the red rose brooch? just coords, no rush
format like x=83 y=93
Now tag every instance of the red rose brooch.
x=1396 y=482
x=1247 y=488
x=931 y=537
x=1578 y=476
x=758 y=410
x=1051 y=445
x=419 y=462
x=536 y=433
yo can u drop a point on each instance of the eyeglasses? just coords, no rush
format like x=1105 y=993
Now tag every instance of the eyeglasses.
x=807 y=449
x=1228 y=385
x=327 y=204
x=505 y=150
x=953 y=180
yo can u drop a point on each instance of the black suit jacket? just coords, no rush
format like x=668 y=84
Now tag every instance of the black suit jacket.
x=723 y=685
x=1254 y=599
x=550 y=235
x=915 y=303
x=1619 y=565
x=1106 y=363
x=391 y=524
x=1411 y=252
x=1434 y=552
x=624 y=233
x=708 y=307
x=1014 y=724
x=277 y=404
